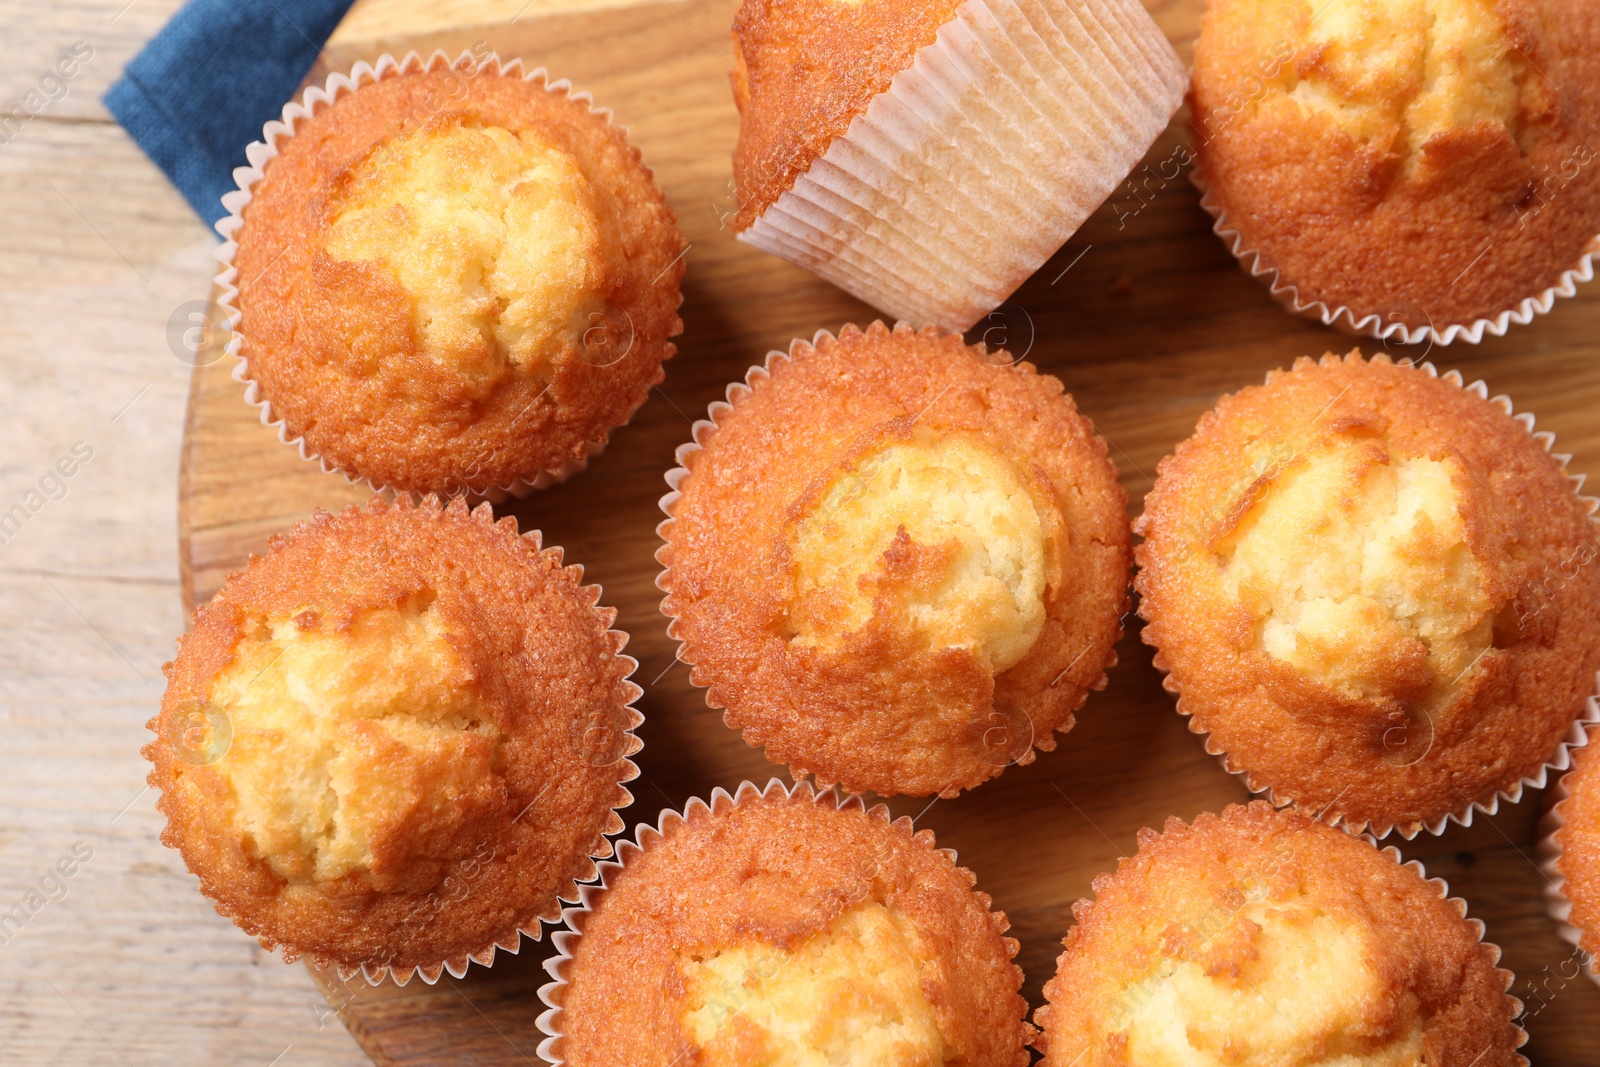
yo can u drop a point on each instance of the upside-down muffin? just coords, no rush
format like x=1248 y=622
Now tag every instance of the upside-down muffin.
x=929 y=157
x=781 y=928
x=394 y=741
x=1577 y=844
x=1428 y=162
x=898 y=562
x=1371 y=587
x=455 y=278
x=1264 y=939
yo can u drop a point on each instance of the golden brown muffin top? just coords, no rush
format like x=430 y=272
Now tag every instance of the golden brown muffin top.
x=1371 y=586
x=803 y=70
x=452 y=280
x=898 y=561
x=1579 y=838
x=1429 y=160
x=396 y=738
x=1264 y=939
x=784 y=931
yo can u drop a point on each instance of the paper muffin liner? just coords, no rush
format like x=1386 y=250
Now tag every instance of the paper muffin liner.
x=1397 y=324
x=1577 y=735
x=259 y=153
x=532 y=929
x=982 y=158
x=736 y=393
x=1549 y=852
x=645 y=837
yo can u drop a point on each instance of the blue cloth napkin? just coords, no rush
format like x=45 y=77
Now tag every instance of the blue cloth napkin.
x=203 y=87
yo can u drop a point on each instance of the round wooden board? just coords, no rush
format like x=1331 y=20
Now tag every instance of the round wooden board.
x=1145 y=318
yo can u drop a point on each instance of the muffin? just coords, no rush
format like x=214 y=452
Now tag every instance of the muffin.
x=450 y=277
x=1262 y=937
x=785 y=928
x=1420 y=168
x=898 y=562
x=1372 y=588
x=393 y=742
x=928 y=157
x=1573 y=851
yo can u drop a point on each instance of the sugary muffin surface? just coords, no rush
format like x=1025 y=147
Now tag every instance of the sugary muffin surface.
x=456 y=280
x=802 y=70
x=898 y=563
x=1369 y=585
x=1429 y=161
x=1579 y=838
x=785 y=932
x=396 y=738
x=1263 y=939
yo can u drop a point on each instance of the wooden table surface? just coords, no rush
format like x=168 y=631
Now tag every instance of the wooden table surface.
x=131 y=965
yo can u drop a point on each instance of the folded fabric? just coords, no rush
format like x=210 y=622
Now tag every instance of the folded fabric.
x=203 y=87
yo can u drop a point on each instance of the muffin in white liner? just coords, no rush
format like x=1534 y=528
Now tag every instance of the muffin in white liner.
x=354 y=761
x=828 y=896
x=964 y=489
x=1347 y=748
x=613 y=332
x=1410 y=172
x=935 y=197
x=1554 y=829
x=1261 y=936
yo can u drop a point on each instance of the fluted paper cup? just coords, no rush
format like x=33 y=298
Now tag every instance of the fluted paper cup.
x=278 y=132
x=982 y=158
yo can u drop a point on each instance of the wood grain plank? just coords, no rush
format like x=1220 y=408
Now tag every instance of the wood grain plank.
x=132 y=964
x=1144 y=317
x=37 y=35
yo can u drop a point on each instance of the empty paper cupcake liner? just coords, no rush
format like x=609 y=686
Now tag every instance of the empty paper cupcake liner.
x=1556 y=902
x=259 y=153
x=1559 y=761
x=982 y=158
x=645 y=837
x=1398 y=325
x=630 y=744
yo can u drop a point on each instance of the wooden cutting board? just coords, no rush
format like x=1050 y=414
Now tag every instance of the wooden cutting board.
x=1145 y=318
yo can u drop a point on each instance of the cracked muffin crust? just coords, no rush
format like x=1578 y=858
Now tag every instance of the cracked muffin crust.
x=899 y=563
x=781 y=929
x=1264 y=939
x=1429 y=161
x=456 y=279
x=1374 y=590
x=396 y=739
